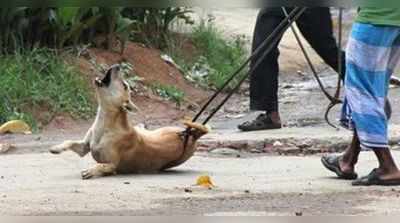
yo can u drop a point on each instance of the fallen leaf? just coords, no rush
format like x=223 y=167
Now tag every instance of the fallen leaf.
x=204 y=181
x=5 y=147
x=15 y=126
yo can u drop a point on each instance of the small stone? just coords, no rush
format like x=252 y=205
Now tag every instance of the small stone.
x=277 y=144
x=287 y=86
x=269 y=148
x=299 y=213
x=187 y=190
x=305 y=144
x=127 y=182
x=289 y=150
x=6 y=147
x=225 y=151
x=2 y=177
x=38 y=138
x=247 y=191
x=255 y=151
x=301 y=73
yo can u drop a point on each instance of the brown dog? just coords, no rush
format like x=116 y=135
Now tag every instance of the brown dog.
x=119 y=147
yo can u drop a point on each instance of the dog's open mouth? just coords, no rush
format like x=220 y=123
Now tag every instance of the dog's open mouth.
x=105 y=81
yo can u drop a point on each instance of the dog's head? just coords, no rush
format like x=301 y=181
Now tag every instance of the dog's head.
x=113 y=92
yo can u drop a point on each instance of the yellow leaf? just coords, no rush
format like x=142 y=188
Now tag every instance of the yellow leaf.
x=204 y=181
x=15 y=126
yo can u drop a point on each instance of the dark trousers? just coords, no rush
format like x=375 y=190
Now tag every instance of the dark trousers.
x=316 y=27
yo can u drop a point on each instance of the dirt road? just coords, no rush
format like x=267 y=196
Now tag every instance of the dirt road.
x=33 y=182
x=44 y=184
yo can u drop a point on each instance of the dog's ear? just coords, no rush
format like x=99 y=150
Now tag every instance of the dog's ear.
x=107 y=78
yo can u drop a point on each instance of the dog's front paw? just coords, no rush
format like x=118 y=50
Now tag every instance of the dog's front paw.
x=87 y=174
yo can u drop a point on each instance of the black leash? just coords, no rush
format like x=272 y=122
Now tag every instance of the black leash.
x=274 y=36
x=334 y=100
x=272 y=39
x=310 y=64
x=340 y=69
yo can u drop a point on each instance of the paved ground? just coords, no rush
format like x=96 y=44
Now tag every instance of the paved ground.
x=257 y=183
x=43 y=184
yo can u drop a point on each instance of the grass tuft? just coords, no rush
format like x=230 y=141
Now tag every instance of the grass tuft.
x=39 y=80
x=169 y=92
x=216 y=56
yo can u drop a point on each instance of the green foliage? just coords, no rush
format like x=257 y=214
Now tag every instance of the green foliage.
x=69 y=23
x=154 y=23
x=222 y=55
x=28 y=28
x=215 y=59
x=169 y=92
x=12 y=22
x=39 y=80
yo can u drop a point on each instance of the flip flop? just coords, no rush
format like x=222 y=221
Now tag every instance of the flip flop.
x=331 y=162
x=374 y=179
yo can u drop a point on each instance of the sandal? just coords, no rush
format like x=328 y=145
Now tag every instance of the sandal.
x=374 y=179
x=262 y=122
x=331 y=162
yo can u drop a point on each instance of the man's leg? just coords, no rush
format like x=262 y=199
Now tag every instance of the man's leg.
x=350 y=157
x=372 y=54
x=343 y=165
x=387 y=167
x=264 y=79
x=387 y=173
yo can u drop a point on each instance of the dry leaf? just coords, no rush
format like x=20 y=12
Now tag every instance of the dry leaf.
x=15 y=126
x=204 y=181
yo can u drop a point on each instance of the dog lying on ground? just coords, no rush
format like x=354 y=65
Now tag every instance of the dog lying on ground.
x=119 y=147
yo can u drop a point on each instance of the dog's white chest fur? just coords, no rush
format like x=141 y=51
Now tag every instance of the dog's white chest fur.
x=100 y=139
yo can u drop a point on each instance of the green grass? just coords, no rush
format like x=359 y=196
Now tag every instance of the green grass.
x=221 y=54
x=40 y=80
x=169 y=92
x=217 y=56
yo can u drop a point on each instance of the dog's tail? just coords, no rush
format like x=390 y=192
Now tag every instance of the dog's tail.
x=197 y=129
